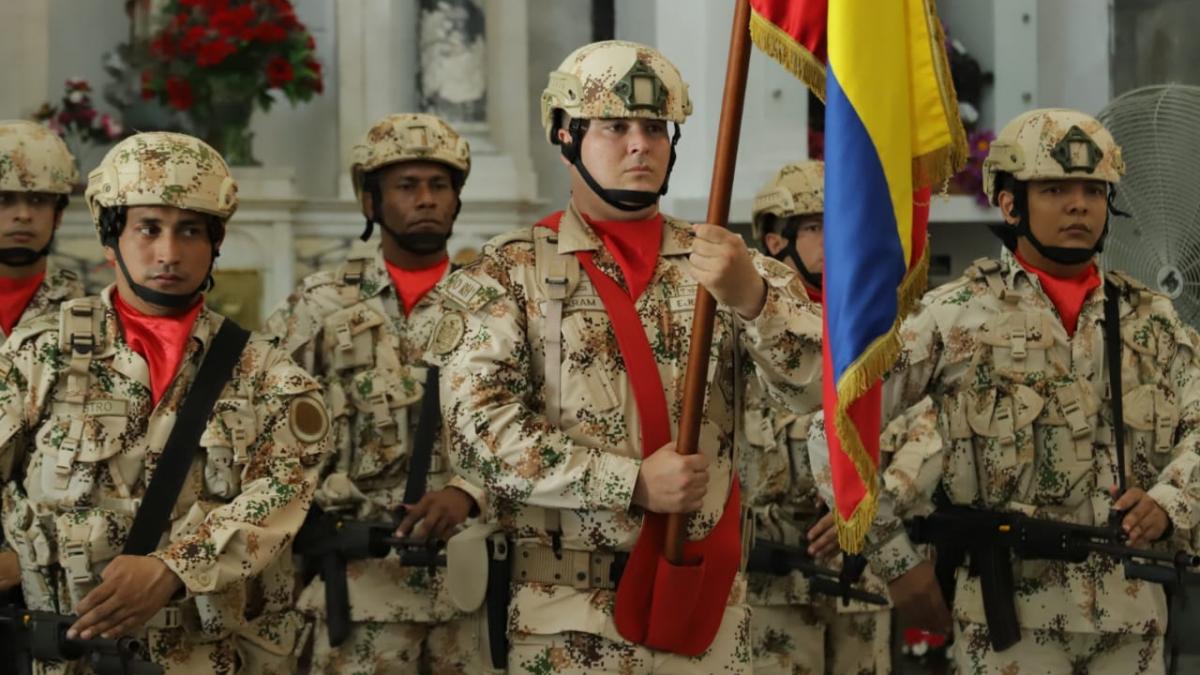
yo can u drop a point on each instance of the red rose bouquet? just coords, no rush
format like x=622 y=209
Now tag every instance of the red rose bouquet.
x=215 y=59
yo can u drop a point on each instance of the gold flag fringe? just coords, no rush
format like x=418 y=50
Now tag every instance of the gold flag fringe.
x=938 y=166
x=790 y=54
x=854 y=383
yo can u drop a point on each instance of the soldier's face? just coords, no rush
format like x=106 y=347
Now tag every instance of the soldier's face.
x=1067 y=213
x=416 y=197
x=166 y=249
x=626 y=154
x=810 y=241
x=28 y=219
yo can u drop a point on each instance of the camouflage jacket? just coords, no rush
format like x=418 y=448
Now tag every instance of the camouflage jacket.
x=80 y=438
x=348 y=329
x=1024 y=413
x=59 y=286
x=494 y=395
x=786 y=487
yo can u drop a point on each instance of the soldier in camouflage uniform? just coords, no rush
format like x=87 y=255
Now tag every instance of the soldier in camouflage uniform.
x=1012 y=355
x=88 y=404
x=37 y=173
x=794 y=631
x=362 y=330
x=537 y=392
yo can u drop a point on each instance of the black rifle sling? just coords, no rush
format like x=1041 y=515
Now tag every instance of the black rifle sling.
x=1112 y=347
x=428 y=429
x=183 y=442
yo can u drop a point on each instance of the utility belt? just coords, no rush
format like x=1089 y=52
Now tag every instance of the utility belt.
x=583 y=570
x=483 y=564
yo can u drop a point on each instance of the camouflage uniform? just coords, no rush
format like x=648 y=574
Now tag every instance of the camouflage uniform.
x=80 y=430
x=793 y=631
x=34 y=159
x=1024 y=413
x=494 y=398
x=348 y=328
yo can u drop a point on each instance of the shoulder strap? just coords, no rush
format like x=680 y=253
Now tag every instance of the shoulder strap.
x=558 y=276
x=349 y=278
x=1112 y=345
x=172 y=468
x=421 y=455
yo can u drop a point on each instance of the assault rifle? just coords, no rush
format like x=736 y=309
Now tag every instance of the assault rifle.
x=769 y=557
x=993 y=538
x=327 y=541
x=42 y=636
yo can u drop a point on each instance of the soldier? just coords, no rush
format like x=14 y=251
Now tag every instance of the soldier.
x=795 y=629
x=1013 y=355
x=133 y=504
x=361 y=329
x=548 y=336
x=37 y=173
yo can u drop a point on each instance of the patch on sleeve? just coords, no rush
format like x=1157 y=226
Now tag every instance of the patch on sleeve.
x=307 y=419
x=470 y=293
x=447 y=333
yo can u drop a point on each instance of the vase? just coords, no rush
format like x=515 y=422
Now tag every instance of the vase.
x=224 y=123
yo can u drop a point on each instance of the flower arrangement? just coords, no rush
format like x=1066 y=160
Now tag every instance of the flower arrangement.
x=76 y=120
x=969 y=180
x=214 y=60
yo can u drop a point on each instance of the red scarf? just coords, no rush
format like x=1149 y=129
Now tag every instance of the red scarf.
x=160 y=340
x=635 y=245
x=412 y=285
x=15 y=295
x=815 y=295
x=1067 y=294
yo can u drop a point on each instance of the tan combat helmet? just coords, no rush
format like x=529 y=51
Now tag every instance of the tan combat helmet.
x=798 y=189
x=1052 y=143
x=407 y=137
x=34 y=159
x=614 y=79
x=160 y=168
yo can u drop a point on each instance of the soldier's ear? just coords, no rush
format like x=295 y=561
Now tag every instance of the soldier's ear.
x=1008 y=207
x=774 y=243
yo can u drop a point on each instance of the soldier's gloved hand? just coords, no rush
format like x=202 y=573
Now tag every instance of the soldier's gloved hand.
x=669 y=482
x=722 y=264
x=437 y=514
x=132 y=590
x=919 y=600
x=822 y=537
x=1145 y=521
x=10 y=570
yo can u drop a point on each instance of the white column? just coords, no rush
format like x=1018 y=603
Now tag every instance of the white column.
x=26 y=51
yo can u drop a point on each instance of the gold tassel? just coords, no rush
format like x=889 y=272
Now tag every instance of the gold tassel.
x=790 y=54
x=943 y=163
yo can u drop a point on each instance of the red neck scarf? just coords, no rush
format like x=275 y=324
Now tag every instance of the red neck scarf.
x=635 y=245
x=1067 y=294
x=412 y=285
x=814 y=295
x=15 y=295
x=160 y=340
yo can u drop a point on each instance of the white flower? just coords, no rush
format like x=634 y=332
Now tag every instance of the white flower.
x=75 y=97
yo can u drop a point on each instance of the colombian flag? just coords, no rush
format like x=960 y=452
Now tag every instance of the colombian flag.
x=891 y=132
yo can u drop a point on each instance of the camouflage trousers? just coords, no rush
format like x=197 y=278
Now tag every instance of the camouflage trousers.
x=577 y=653
x=375 y=648
x=1050 y=652
x=808 y=640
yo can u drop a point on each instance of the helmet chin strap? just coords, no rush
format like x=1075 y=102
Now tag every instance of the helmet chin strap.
x=1062 y=255
x=20 y=256
x=789 y=252
x=623 y=200
x=159 y=298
